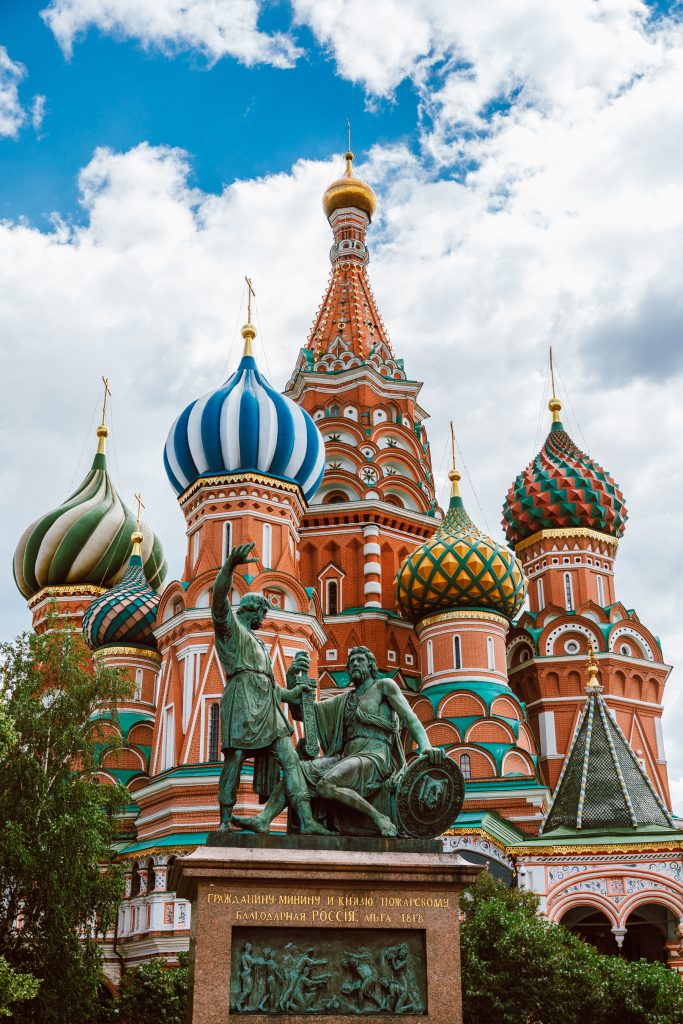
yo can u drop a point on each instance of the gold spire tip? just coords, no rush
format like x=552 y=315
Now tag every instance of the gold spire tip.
x=555 y=406
x=103 y=430
x=137 y=537
x=453 y=474
x=592 y=686
x=249 y=331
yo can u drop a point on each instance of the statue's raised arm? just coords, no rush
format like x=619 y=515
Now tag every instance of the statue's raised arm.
x=221 y=609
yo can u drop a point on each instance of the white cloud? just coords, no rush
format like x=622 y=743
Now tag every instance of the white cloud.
x=12 y=114
x=217 y=28
x=38 y=112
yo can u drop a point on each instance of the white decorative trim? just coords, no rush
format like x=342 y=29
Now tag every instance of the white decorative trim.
x=629 y=631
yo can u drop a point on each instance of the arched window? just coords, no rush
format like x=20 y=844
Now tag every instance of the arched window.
x=227 y=540
x=540 y=593
x=491 y=654
x=135 y=881
x=267 y=553
x=195 y=547
x=457 y=657
x=335 y=410
x=332 y=588
x=214 y=712
x=568 y=592
x=430 y=657
x=335 y=498
x=151 y=877
x=601 y=590
x=177 y=607
x=466 y=766
x=137 y=695
x=169 y=870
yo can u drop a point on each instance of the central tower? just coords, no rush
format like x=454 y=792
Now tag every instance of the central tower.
x=377 y=498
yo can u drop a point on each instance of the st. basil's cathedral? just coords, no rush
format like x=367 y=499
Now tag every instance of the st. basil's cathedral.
x=552 y=715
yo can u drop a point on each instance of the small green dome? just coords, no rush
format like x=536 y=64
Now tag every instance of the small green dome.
x=86 y=540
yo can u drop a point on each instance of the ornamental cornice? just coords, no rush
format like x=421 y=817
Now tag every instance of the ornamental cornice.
x=431 y=620
x=476 y=832
x=70 y=590
x=567 y=531
x=606 y=848
x=128 y=652
x=237 y=478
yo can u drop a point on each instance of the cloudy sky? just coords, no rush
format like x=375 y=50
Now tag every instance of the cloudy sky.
x=528 y=162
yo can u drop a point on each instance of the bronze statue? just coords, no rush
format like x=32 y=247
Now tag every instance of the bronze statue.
x=252 y=719
x=359 y=735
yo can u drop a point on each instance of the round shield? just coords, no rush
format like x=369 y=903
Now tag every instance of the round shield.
x=428 y=797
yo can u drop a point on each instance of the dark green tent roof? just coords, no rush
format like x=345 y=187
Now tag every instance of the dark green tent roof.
x=602 y=784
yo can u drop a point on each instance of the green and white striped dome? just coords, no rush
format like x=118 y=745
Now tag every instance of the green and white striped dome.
x=86 y=540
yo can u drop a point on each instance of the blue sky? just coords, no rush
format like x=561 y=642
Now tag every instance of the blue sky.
x=527 y=160
x=235 y=121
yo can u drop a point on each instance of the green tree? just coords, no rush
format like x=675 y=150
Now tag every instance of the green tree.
x=57 y=823
x=520 y=969
x=154 y=993
x=14 y=987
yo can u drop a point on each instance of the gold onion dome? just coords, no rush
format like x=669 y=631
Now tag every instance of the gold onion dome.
x=349 y=191
x=459 y=567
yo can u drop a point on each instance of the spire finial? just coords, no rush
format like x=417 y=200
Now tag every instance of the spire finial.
x=137 y=536
x=453 y=474
x=249 y=331
x=349 y=154
x=555 y=405
x=103 y=430
x=592 y=686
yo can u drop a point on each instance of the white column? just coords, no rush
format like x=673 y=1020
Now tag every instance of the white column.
x=372 y=568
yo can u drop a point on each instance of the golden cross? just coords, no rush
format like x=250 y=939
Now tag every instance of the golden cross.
x=251 y=294
x=107 y=391
x=138 y=498
x=452 y=445
x=552 y=371
x=348 y=130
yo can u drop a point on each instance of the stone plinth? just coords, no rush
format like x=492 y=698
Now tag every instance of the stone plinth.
x=299 y=930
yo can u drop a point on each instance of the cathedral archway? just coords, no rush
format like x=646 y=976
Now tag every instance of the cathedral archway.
x=648 y=928
x=591 y=925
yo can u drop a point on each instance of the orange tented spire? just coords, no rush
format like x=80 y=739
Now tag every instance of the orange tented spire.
x=348 y=330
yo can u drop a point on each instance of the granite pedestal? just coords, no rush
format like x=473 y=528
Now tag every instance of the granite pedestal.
x=300 y=929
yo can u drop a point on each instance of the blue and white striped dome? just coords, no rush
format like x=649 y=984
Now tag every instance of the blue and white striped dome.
x=245 y=427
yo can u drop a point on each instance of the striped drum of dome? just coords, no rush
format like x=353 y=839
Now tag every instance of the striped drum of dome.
x=125 y=614
x=245 y=426
x=563 y=488
x=85 y=540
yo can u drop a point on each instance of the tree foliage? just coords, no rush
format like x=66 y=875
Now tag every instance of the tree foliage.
x=154 y=993
x=520 y=969
x=14 y=987
x=57 y=823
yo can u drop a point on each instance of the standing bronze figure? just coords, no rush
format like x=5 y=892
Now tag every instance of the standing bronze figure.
x=252 y=720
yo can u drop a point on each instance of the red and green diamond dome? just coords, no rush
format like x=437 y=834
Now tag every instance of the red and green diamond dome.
x=563 y=489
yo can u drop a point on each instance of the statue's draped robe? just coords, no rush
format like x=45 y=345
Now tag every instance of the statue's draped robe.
x=251 y=715
x=336 y=727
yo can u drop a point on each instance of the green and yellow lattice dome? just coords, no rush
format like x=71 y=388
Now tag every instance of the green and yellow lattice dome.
x=460 y=567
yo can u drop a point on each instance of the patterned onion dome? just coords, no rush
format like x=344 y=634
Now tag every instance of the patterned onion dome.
x=126 y=613
x=563 y=488
x=245 y=426
x=459 y=567
x=85 y=540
